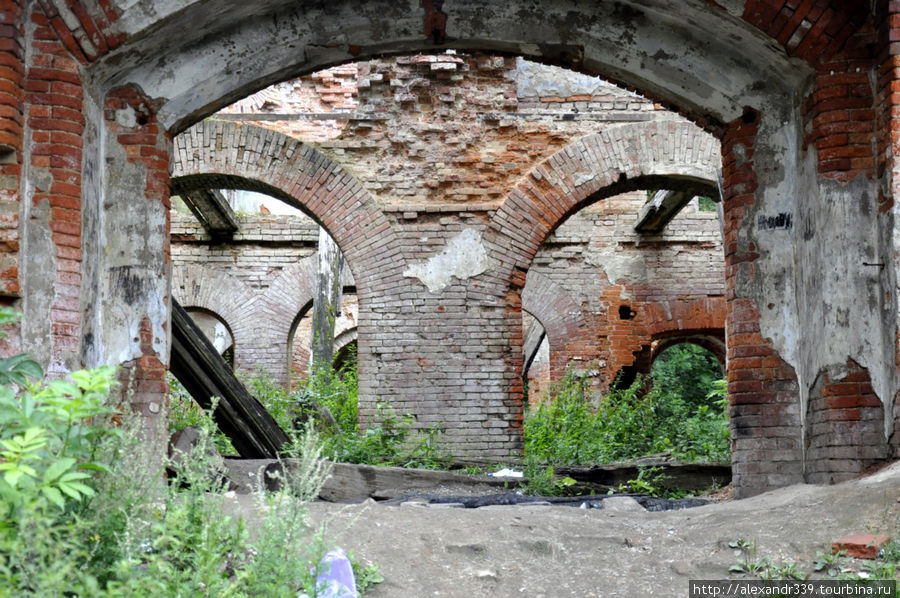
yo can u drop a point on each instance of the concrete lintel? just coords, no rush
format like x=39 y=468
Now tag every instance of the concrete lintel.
x=212 y=210
x=660 y=210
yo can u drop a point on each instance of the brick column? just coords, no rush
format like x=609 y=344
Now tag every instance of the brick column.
x=126 y=290
x=12 y=99
x=762 y=387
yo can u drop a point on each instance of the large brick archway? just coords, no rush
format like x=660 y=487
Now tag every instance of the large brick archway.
x=800 y=96
x=221 y=155
x=633 y=156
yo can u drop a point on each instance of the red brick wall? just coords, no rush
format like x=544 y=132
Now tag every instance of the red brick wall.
x=628 y=290
x=56 y=122
x=845 y=427
x=762 y=387
x=12 y=120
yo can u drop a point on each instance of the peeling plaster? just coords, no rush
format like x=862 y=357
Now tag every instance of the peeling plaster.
x=130 y=280
x=629 y=267
x=703 y=58
x=463 y=257
x=818 y=304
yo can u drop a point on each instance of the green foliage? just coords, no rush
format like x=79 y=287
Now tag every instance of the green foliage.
x=184 y=412
x=706 y=204
x=569 y=430
x=337 y=391
x=81 y=515
x=53 y=436
x=652 y=482
x=367 y=576
x=540 y=480
x=684 y=413
x=388 y=439
x=18 y=369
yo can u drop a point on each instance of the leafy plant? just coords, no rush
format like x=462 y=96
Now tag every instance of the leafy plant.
x=184 y=412
x=81 y=515
x=21 y=368
x=752 y=567
x=828 y=562
x=367 y=576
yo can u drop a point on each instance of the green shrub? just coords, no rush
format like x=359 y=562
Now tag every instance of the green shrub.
x=389 y=439
x=81 y=516
x=184 y=412
x=573 y=428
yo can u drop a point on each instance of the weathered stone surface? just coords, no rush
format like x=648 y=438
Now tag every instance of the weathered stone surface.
x=622 y=504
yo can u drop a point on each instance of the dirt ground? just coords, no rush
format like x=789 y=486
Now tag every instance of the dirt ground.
x=544 y=551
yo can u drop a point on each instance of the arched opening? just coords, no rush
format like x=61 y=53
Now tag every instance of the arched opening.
x=535 y=360
x=345 y=343
x=757 y=106
x=216 y=330
x=688 y=384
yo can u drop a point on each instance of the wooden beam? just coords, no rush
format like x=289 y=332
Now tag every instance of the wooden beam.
x=660 y=210
x=212 y=210
x=199 y=367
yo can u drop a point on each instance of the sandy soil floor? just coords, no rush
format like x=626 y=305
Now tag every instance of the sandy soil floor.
x=543 y=551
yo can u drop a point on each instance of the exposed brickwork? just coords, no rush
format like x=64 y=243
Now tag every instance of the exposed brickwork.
x=606 y=295
x=55 y=122
x=315 y=96
x=450 y=129
x=299 y=347
x=845 y=427
x=85 y=31
x=257 y=284
x=447 y=179
x=12 y=120
x=814 y=31
x=841 y=111
x=762 y=387
x=144 y=389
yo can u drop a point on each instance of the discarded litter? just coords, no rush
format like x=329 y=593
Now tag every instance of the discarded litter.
x=334 y=576
x=506 y=473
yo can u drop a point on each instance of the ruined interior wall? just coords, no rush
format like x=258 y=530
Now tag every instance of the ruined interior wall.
x=261 y=249
x=811 y=332
x=842 y=142
x=257 y=282
x=632 y=289
x=12 y=125
x=781 y=310
x=452 y=129
x=52 y=161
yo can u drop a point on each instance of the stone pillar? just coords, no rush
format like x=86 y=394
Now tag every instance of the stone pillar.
x=327 y=301
x=51 y=208
x=811 y=330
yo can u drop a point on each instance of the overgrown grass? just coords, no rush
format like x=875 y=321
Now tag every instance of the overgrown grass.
x=625 y=424
x=689 y=422
x=82 y=515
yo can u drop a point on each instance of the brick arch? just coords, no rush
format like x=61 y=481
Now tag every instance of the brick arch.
x=711 y=340
x=217 y=154
x=663 y=154
x=259 y=322
x=562 y=318
x=272 y=317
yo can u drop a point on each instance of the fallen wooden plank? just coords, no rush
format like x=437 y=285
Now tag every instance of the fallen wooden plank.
x=253 y=432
